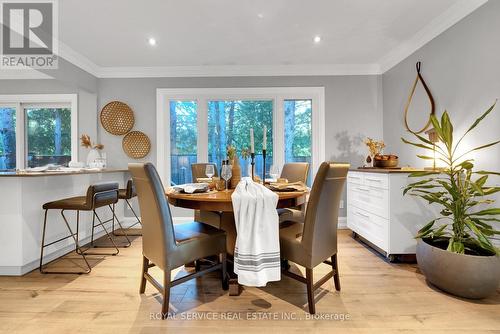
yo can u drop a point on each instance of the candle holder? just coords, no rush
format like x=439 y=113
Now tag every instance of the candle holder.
x=263 y=166
x=252 y=163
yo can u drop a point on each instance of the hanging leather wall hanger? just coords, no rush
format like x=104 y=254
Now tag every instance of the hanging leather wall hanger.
x=429 y=95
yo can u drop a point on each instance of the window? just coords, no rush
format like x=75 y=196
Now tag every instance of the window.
x=36 y=130
x=229 y=124
x=213 y=118
x=183 y=140
x=48 y=135
x=7 y=138
x=298 y=132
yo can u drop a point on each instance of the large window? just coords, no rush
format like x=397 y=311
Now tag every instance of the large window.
x=36 y=130
x=183 y=140
x=298 y=131
x=7 y=138
x=229 y=124
x=199 y=124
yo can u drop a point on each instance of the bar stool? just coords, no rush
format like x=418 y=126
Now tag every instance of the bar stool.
x=98 y=195
x=127 y=194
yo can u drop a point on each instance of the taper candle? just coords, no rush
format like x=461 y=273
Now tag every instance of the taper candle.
x=252 y=146
x=264 y=141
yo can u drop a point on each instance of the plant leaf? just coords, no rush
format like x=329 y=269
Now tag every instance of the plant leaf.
x=487 y=212
x=477 y=121
x=426 y=229
x=483 y=240
x=416 y=144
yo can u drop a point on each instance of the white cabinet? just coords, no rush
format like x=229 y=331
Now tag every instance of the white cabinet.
x=378 y=212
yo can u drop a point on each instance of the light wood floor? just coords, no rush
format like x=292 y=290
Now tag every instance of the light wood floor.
x=378 y=297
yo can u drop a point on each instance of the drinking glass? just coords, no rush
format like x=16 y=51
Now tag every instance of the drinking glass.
x=226 y=173
x=274 y=172
x=209 y=171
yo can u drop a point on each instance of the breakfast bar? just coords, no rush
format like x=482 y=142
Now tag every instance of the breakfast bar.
x=21 y=214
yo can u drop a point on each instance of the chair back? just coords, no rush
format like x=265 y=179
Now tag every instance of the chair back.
x=130 y=189
x=157 y=227
x=198 y=170
x=320 y=223
x=102 y=194
x=295 y=171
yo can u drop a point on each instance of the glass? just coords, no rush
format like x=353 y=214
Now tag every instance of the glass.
x=48 y=135
x=298 y=131
x=226 y=173
x=183 y=140
x=274 y=172
x=209 y=171
x=229 y=123
x=7 y=138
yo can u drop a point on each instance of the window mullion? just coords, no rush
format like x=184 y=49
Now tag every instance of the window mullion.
x=202 y=120
x=20 y=137
x=278 y=132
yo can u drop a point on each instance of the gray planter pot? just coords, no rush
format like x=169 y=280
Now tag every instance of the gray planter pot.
x=462 y=275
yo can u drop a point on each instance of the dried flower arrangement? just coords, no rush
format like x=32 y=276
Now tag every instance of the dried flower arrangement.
x=231 y=152
x=375 y=147
x=87 y=143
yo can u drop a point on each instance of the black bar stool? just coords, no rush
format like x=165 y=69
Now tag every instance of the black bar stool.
x=127 y=194
x=98 y=195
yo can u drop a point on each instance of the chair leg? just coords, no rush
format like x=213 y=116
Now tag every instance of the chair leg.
x=133 y=211
x=310 y=291
x=335 y=269
x=95 y=215
x=112 y=208
x=145 y=267
x=166 y=293
x=225 y=276
x=43 y=240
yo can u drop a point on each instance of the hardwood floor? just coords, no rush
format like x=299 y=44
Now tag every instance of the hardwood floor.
x=376 y=296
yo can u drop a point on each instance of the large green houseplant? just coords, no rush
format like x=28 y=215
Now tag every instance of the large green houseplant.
x=461 y=234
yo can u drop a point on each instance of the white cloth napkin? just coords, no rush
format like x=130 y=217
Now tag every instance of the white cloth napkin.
x=257 y=251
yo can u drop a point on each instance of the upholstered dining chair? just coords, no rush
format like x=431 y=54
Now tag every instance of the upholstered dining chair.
x=207 y=217
x=315 y=241
x=168 y=246
x=294 y=172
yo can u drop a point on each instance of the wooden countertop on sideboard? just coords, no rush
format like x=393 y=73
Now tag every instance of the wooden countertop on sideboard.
x=386 y=170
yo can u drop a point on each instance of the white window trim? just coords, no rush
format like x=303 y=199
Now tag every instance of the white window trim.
x=202 y=95
x=19 y=101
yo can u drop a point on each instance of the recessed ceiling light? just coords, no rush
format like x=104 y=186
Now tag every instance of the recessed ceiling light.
x=317 y=39
x=152 y=41
x=260 y=16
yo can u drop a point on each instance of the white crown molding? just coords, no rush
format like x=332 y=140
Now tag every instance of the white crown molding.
x=238 y=70
x=436 y=27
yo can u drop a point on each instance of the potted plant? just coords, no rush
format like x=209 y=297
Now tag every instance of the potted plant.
x=454 y=250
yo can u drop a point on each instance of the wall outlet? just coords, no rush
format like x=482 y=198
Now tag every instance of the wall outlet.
x=341 y=206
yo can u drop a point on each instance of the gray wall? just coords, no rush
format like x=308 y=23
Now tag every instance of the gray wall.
x=461 y=68
x=68 y=79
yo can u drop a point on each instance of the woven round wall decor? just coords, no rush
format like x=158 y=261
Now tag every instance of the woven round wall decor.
x=136 y=144
x=117 y=118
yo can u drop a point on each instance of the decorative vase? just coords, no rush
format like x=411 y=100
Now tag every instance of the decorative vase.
x=236 y=171
x=92 y=156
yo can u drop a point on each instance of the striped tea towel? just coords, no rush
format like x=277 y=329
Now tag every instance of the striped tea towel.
x=257 y=251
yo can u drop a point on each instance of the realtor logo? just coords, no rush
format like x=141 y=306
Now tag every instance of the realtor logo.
x=29 y=34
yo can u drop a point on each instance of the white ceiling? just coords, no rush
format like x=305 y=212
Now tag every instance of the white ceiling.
x=109 y=37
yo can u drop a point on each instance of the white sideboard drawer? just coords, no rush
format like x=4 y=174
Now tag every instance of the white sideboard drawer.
x=371 y=199
x=371 y=227
x=376 y=180
x=355 y=178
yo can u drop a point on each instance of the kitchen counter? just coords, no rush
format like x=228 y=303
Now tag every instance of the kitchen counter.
x=61 y=172
x=21 y=214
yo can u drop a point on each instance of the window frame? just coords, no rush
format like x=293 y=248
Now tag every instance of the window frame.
x=202 y=95
x=22 y=101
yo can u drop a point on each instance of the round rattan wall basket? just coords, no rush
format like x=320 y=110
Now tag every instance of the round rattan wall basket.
x=117 y=118
x=136 y=144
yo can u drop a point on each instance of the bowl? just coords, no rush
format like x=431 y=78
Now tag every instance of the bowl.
x=385 y=161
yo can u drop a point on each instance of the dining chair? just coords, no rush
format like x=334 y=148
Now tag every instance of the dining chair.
x=294 y=172
x=313 y=242
x=207 y=217
x=168 y=246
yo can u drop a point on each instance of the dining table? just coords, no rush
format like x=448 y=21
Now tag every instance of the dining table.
x=216 y=208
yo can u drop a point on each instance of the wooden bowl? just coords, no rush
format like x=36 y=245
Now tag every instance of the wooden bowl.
x=390 y=163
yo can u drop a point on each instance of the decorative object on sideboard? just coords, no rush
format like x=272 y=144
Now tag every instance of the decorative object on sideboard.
x=117 y=118
x=408 y=102
x=136 y=144
x=374 y=147
x=458 y=239
x=385 y=161
x=94 y=155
